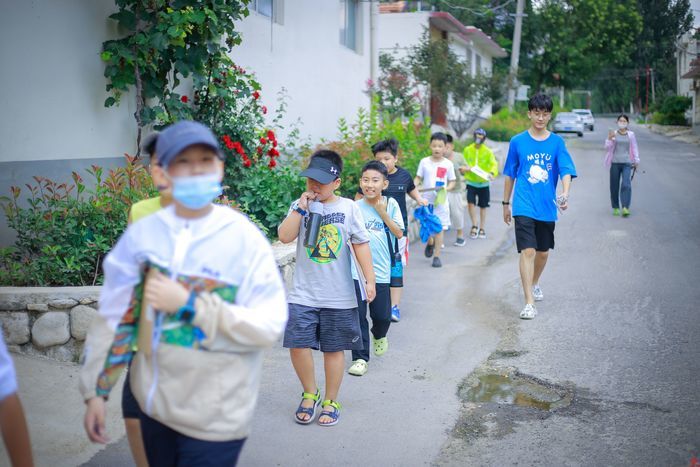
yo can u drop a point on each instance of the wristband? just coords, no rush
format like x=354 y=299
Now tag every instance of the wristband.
x=295 y=207
x=186 y=312
x=505 y=203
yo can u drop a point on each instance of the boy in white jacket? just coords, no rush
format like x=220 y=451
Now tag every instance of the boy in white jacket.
x=214 y=300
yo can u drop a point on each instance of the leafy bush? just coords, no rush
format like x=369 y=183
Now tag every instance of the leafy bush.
x=67 y=230
x=505 y=124
x=357 y=139
x=672 y=110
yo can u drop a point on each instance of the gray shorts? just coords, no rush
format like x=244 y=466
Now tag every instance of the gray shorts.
x=325 y=329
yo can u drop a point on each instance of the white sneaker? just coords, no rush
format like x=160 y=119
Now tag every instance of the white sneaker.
x=537 y=293
x=358 y=367
x=528 y=312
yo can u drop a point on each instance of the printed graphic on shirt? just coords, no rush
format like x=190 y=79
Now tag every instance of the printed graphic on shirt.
x=440 y=175
x=330 y=241
x=540 y=168
x=173 y=331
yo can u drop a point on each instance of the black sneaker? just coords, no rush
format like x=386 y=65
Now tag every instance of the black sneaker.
x=437 y=263
x=429 y=250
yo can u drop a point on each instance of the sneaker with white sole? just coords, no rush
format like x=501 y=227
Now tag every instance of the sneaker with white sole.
x=528 y=312
x=358 y=367
x=459 y=242
x=537 y=293
x=395 y=314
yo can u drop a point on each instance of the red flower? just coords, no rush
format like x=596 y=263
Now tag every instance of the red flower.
x=184 y=99
x=264 y=110
x=274 y=144
x=256 y=95
x=246 y=163
x=263 y=141
x=273 y=152
x=272 y=163
x=259 y=149
x=271 y=135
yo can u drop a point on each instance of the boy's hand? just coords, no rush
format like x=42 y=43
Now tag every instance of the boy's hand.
x=371 y=290
x=305 y=198
x=507 y=217
x=422 y=201
x=164 y=294
x=381 y=204
x=94 y=421
x=563 y=201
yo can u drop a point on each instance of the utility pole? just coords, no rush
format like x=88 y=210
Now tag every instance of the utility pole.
x=373 y=46
x=653 y=92
x=636 y=96
x=515 y=53
x=646 y=107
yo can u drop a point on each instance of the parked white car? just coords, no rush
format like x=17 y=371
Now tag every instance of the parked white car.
x=568 y=122
x=587 y=116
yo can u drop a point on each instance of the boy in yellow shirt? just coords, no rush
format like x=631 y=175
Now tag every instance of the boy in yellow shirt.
x=480 y=162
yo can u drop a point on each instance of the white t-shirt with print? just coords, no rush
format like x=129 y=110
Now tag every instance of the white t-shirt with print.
x=435 y=174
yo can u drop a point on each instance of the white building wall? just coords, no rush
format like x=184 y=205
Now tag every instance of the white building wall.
x=51 y=87
x=324 y=79
x=400 y=31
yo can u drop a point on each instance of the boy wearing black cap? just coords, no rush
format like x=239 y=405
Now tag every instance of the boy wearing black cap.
x=322 y=302
x=214 y=299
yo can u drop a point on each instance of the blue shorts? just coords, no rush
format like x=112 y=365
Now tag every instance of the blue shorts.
x=324 y=329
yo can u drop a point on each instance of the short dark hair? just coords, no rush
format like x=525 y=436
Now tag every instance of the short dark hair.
x=378 y=166
x=386 y=145
x=439 y=136
x=450 y=139
x=540 y=102
x=149 y=146
x=330 y=156
x=624 y=116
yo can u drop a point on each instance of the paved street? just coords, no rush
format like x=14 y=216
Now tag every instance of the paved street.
x=613 y=353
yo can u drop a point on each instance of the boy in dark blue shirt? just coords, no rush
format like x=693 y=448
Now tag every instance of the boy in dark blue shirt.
x=536 y=160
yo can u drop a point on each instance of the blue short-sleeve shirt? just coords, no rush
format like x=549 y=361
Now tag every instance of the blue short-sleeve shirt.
x=536 y=167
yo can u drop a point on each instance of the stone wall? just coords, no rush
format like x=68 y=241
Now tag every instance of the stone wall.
x=52 y=321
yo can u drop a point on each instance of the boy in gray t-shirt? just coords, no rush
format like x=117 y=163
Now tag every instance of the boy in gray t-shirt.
x=322 y=303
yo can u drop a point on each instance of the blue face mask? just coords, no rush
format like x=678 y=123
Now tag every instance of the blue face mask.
x=197 y=191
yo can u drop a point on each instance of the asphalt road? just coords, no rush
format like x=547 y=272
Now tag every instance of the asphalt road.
x=613 y=354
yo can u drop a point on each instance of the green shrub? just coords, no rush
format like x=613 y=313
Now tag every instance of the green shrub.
x=355 y=142
x=64 y=234
x=672 y=110
x=505 y=124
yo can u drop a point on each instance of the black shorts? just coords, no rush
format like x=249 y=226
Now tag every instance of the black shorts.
x=130 y=407
x=483 y=193
x=531 y=233
x=325 y=329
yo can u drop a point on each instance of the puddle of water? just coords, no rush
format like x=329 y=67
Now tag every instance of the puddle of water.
x=514 y=390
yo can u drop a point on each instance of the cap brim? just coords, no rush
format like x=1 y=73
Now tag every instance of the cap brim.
x=318 y=175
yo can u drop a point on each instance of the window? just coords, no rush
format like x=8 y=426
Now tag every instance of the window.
x=478 y=64
x=348 y=23
x=263 y=7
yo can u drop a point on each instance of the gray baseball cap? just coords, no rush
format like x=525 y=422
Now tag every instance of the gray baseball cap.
x=179 y=136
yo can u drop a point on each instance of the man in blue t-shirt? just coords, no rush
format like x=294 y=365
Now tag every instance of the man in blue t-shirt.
x=536 y=160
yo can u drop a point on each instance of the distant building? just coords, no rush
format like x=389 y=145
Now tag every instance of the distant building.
x=399 y=29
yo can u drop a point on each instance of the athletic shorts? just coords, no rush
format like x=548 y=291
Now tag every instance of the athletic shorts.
x=531 y=233
x=324 y=329
x=482 y=193
x=442 y=211
x=457 y=206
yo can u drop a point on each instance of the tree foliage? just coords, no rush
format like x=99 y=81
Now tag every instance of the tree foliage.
x=167 y=41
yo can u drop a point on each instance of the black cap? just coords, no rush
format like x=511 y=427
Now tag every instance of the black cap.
x=322 y=170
